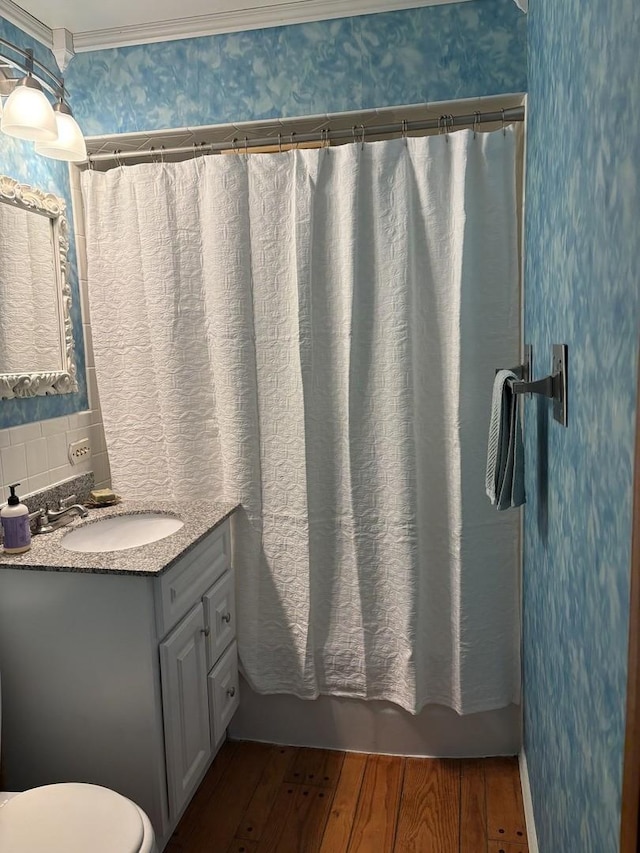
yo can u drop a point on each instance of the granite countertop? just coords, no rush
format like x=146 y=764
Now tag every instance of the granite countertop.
x=47 y=553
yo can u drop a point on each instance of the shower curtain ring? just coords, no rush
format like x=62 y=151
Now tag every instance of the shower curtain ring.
x=196 y=160
x=362 y=138
x=404 y=130
x=234 y=144
x=246 y=146
x=504 y=129
x=279 y=143
x=291 y=140
x=476 y=122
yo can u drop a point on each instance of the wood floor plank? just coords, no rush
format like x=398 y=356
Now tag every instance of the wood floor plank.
x=255 y=818
x=507 y=847
x=216 y=826
x=316 y=767
x=307 y=764
x=345 y=802
x=429 y=814
x=505 y=811
x=200 y=801
x=374 y=825
x=241 y=845
x=473 y=808
x=331 y=768
x=278 y=817
x=306 y=816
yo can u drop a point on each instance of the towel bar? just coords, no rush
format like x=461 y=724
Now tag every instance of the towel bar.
x=553 y=386
x=523 y=371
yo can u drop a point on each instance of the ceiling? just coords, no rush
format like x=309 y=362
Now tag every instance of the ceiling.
x=80 y=15
x=98 y=24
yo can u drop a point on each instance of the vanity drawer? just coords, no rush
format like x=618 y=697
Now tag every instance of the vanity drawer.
x=224 y=693
x=184 y=584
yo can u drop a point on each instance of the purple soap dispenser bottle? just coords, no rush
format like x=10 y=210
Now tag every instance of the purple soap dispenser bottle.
x=15 y=524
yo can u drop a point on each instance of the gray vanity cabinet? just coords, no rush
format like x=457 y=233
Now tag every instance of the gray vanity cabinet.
x=123 y=680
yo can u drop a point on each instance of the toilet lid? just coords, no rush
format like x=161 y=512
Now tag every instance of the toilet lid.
x=70 y=818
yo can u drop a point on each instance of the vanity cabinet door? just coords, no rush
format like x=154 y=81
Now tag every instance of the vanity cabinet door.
x=183 y=663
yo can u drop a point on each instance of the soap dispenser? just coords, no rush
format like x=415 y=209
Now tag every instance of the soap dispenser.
x=15 y=524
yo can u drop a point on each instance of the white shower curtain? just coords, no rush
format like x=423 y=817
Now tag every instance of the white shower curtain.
x=315 y=334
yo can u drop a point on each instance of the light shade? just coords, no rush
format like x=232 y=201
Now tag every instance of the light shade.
x=69 y=143
x=28 y=114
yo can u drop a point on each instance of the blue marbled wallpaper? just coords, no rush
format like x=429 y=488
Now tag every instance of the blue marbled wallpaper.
x=581 y=288
x=436 y=53
x=19 y=161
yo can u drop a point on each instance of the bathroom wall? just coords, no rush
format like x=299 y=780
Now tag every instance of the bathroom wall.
x=34 y=433
x=435 y=53
x=581 y=288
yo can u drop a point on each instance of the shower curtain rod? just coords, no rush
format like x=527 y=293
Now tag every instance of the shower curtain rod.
x=357 y=133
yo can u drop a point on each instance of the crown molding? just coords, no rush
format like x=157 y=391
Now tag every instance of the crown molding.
x=277 y=15
x=63 y=49
x=17 y=16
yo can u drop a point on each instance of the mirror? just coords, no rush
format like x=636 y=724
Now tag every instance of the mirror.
x=37 y=354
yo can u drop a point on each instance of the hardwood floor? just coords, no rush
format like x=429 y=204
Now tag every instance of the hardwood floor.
x=260 y=798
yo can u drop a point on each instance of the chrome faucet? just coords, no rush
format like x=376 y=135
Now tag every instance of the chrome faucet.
x=49 y=520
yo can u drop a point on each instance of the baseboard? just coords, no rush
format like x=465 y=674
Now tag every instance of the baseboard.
x=532 y=838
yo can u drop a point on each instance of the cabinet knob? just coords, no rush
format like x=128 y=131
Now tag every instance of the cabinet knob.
x=206 y=631
x=231 y=692
x=226 y=617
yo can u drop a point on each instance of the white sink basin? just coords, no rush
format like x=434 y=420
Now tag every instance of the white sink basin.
x=121 y=532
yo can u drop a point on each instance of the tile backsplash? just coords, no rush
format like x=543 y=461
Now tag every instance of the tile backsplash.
x=37 y=455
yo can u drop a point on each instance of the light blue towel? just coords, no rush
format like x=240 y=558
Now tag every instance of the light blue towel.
x=505 y=455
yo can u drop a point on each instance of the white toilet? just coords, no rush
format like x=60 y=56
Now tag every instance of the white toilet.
x=73 y=817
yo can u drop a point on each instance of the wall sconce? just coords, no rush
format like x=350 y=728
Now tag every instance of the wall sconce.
x=28 y=113
x=68 y=143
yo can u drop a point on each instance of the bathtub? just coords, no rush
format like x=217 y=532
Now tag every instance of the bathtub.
x=332 y=722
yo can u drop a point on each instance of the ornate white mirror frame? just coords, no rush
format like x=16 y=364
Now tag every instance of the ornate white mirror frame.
x=64 y=381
